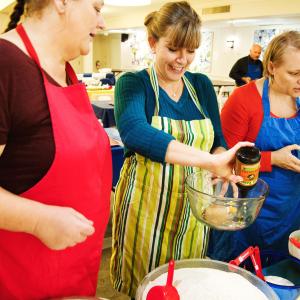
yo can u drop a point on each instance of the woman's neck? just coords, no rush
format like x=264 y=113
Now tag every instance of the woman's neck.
x=172 y=88
x=281 y=104
x=49 y=50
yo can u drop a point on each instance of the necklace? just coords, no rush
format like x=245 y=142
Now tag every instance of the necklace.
x=172 y=89
x=173 y=92
x=176 y=92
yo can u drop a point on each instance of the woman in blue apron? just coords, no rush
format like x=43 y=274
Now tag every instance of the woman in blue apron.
x=271 y=105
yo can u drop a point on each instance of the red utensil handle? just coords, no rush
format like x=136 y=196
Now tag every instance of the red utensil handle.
x=170 y=272
x=255 y=257
x=254 y=254
x=243 y=256
x=295 y=242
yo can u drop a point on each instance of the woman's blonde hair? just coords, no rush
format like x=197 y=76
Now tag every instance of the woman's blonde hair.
x=276 y=48
x=177 y=20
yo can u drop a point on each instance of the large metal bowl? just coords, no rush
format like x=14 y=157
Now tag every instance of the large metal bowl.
x=204 y=263
x=226 y=212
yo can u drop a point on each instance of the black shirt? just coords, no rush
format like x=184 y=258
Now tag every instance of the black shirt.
x=25 y=122
x=240 y=69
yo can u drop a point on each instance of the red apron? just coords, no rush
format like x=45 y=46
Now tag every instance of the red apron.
x=79 y=177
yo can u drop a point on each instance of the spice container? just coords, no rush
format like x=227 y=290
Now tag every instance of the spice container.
x=247 y=166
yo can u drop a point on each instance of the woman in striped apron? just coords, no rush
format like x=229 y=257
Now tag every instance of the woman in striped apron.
x=169 y=122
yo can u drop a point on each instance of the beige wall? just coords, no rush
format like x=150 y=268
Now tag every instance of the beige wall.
x=4 y=19
x=239 y=9
x=115 y=53
x=5 y=15
x=223 y=57
x=101 y=50
x=107 y=49
x=78 y=64
x=134 y=17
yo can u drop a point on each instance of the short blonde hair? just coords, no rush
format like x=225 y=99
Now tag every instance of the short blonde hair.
x=277 y=47
x=177 y=20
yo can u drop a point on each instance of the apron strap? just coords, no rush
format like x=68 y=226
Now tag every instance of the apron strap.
x=298 y=104
x=194 y=96
x=155 y=86
x=265 y=98
x=189 y=86
x=32 y=53
x=24 y=37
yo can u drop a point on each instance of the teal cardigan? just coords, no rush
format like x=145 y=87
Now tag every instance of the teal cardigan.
x=134 y=108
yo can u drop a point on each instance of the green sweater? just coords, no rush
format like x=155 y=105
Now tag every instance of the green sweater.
x=134 y=108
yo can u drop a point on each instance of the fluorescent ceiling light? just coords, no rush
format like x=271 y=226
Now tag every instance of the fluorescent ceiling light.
x=127 y=3
x=243 y=21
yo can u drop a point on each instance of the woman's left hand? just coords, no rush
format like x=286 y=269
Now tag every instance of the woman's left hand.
x=283 y=158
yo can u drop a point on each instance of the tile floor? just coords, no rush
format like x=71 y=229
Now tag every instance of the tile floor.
x=104 y=288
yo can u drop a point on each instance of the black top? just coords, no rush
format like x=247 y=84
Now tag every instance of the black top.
x=240 y=69
x=25 y=122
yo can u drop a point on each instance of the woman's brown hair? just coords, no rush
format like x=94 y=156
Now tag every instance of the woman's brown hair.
x=29 y=6
x=177 y=20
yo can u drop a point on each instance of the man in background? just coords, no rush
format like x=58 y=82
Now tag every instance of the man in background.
x=248 y=68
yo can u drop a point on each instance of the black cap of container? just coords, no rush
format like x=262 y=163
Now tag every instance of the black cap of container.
x=248 y=155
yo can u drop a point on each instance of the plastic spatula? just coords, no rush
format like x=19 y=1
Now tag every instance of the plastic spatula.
x=165 y=292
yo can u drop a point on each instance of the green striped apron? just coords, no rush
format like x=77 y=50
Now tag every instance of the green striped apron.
x=152 y=219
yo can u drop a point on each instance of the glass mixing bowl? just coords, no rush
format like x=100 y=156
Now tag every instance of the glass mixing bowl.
x=205 y=263
x=236 y=210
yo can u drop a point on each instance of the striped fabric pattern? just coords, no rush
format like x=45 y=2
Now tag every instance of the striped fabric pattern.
x=152 y=219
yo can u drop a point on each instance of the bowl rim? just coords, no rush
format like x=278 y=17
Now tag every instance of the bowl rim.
x=259 y=199
x=253 y=278
x=284 y=256
x=295 y=233
x=293 y=250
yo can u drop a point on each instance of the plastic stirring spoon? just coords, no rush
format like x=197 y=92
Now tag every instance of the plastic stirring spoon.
x=165 y=292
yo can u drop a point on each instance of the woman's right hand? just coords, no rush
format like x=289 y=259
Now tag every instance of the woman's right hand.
x=223 y=163
x=61 y=227
x=284 y=158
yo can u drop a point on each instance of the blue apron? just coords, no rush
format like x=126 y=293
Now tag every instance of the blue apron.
x=280 y=214
x=254 y=71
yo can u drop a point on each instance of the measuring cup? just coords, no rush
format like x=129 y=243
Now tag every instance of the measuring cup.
x=165 y=292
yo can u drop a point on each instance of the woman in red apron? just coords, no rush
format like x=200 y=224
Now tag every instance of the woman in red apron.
x=52 y=231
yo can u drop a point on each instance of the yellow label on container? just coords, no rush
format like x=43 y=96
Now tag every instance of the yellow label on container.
x=248 y=172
